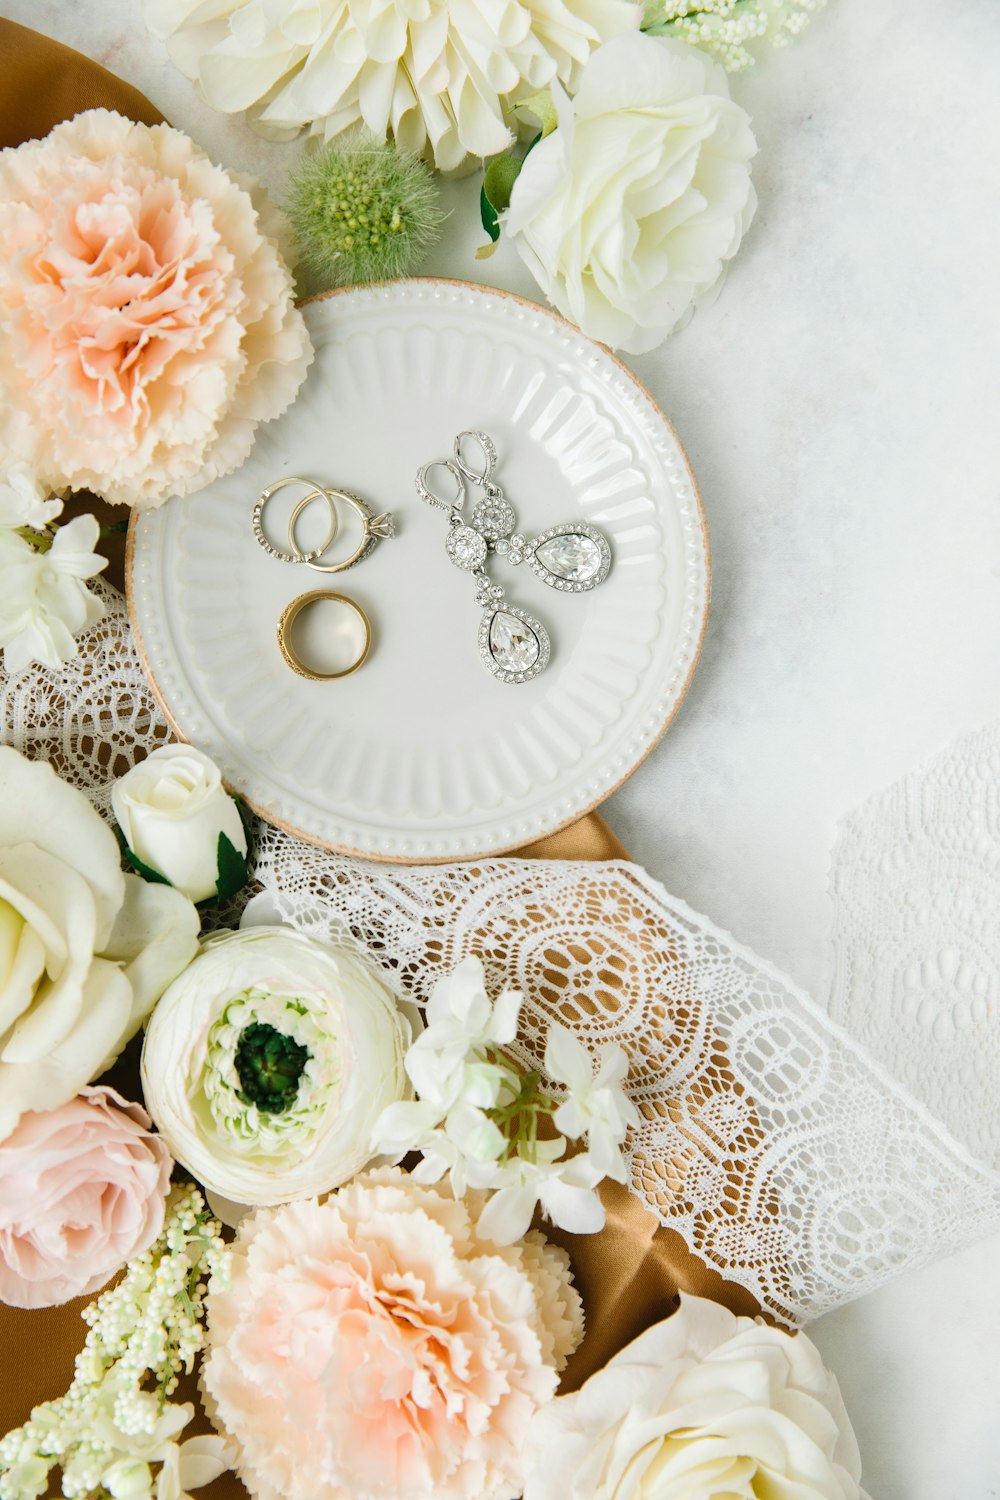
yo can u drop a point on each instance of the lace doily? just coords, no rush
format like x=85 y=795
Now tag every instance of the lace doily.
x=915 y=890
x=786 y=1157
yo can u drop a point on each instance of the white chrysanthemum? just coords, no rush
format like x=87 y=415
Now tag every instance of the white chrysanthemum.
x=268 y=1060
x=435 y=74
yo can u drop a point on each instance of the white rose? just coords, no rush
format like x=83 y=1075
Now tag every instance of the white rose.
x=268 y=1061
x=85 y=951
x=627 y=213
x=704 y=1403
x=172 y=808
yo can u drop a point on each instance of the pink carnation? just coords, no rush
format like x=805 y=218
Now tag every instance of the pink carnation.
x=146 y=315
x=82 y=1189
x=372 y=1346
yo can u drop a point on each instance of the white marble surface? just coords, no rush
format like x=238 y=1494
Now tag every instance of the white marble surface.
x=839 y=406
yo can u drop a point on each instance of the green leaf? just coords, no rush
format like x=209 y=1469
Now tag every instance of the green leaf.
x=542 y=106
x=498 y=181
x=146 y=871
x=233 y=870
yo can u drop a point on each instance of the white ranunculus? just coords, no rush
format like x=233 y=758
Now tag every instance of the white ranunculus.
x=704 y=1403
x=85 y=951
x=435 y=76
x=172 y=808
x=628 y=212
x=24 y=502
x=267 y=1062
x=44 y=602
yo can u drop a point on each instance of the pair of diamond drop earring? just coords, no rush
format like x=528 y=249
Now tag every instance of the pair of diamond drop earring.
x=572 y=558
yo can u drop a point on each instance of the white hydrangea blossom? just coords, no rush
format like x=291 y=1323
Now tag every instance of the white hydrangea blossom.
x=595 y=1104
x=110 y=1427
x=477 y=1114
x=24 y=502
x=44 y=601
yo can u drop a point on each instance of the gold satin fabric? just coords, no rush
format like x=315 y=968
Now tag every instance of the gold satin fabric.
x=630 y=1273
x=43 y=82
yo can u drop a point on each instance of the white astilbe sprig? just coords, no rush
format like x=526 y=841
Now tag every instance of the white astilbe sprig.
x=484 y=1122
x=117 y=1419
x=729 y=28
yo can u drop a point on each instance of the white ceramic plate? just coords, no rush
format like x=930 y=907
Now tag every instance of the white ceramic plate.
x=421 y=755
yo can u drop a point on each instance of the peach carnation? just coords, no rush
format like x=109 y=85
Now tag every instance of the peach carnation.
x=371 y=1345
x=146 y=314
x=82 y=1190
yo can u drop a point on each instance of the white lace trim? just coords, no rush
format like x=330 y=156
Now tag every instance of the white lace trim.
x=915 y=889
x=785 y=1156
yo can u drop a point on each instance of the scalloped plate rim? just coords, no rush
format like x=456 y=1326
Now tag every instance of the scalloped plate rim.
x=378 y=293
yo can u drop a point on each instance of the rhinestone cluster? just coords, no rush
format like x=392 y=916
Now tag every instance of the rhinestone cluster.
x=514 y=548
x=495 y=518
x=467 y=548
x=583 y=562
x=531 y=646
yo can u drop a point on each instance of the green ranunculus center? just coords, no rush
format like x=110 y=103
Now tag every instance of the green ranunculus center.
x=269 y=1065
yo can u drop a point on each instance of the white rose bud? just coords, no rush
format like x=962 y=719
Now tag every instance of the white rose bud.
x=172 y=809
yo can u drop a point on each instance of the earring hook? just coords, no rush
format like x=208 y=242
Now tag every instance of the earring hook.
x=426 y=493
x=486 y=443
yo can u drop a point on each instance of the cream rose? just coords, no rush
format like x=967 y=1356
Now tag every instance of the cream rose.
x=85 y=951
x=82 y=1190
x=268 y=1061
x=174 y=812
x=627 y=213
x=704 y=1403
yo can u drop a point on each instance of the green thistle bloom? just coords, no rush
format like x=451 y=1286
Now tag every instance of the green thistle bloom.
x=364 y=211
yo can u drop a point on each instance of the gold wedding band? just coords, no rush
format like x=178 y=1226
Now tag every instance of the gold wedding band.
x=373 y=530
x=292 y=613
x=316 y=492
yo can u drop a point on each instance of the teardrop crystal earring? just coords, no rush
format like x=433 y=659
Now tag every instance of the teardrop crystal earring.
x=572 y=557
x=513 y=645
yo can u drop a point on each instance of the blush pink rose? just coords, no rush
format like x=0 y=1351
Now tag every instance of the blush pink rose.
x=147 y=321
x=373 y=1346
x=82 y=1189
